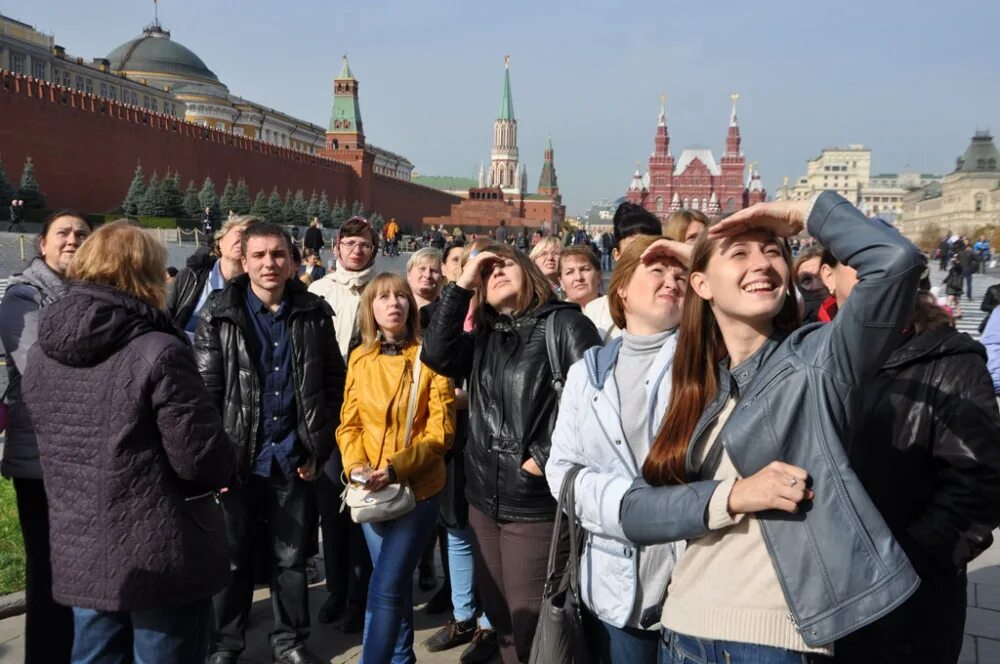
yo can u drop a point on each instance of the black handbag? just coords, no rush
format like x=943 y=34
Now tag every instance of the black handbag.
x=560 y=637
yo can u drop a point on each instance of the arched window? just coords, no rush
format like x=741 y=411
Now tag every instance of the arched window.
x=659 y=203
x=730 y=205
x=685 y=204
x=980 y=200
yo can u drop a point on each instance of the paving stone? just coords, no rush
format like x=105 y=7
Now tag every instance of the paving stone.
x=988 y=651
x=988 y=596
x=968 y=655
x=983 y=622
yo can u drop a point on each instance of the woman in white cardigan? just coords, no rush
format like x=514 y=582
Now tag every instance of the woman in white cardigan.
x=611 y=408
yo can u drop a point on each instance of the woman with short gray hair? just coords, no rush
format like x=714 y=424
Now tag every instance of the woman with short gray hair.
x=423 y=273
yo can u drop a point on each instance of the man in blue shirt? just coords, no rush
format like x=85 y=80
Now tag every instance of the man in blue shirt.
x=269 y=356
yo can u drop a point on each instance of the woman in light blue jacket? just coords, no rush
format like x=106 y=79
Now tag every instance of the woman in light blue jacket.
x=612 y=405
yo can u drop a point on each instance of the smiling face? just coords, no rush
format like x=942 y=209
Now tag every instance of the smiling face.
x=425 y=279
x=746 y=279
x=654 y=297
x=504 y=284
x=390 y=308
x=267 y=262
x=579 y=279
x=60 y=242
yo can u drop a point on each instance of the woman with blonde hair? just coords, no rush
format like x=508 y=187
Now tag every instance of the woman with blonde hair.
x=383 y=442
x=685 y=225
x=132 y=451
x=545 y=256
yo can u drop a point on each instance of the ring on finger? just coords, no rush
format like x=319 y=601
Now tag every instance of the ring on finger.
x=793 y=481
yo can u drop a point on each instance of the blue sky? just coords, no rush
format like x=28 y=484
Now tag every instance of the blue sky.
x=911 y=80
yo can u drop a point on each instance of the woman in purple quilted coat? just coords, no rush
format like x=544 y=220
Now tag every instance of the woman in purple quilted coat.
x=132 y=452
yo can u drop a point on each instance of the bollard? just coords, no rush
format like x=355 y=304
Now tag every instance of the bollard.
x=20 y=243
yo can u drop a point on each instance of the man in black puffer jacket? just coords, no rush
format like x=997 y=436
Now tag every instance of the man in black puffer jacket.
x=926 y=452
x=269 y=356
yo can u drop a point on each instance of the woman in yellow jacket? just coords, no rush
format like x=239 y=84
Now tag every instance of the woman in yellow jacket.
x=372 y=441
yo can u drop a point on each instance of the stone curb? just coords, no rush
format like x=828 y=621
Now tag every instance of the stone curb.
x=13 y=604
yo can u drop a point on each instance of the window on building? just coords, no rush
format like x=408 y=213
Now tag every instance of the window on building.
x=79 y=82
x=104 y=89
x=89 y=86
x=659 y=203
x=113 y=93
x=979 y=203
x=67 y=80
x=17 y=63
x=38 y=70
x=238 y=131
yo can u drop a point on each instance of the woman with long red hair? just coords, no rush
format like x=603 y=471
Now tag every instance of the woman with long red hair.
x=786 y=552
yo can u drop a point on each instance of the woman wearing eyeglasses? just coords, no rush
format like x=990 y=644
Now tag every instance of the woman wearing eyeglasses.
x=348 y=565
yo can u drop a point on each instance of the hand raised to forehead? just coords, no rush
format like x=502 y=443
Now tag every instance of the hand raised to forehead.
x=783 y=218
x=668 y=250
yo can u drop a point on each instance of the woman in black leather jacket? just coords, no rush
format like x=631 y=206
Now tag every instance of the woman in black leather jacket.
x=512 y=407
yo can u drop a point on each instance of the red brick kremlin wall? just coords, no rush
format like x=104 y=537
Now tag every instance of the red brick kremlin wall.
x=407 y=202
x=85 y=150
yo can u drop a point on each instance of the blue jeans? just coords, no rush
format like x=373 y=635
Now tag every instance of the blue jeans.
x=153 y=636
x=395 y=548
x=460 y=571
x=682 y=649
x=620 y=645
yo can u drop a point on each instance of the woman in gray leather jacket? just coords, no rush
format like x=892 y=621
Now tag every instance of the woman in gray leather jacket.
x=786 y=552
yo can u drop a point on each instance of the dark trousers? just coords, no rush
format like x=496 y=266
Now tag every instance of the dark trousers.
x=279 y=510
x=511 y=560
x=48 y=628
x=154 y=636
x=968 y=284
x=620 y=645
x=926 y=629
x=346 y=560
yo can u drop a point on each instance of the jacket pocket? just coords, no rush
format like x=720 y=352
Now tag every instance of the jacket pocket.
x=206 y=513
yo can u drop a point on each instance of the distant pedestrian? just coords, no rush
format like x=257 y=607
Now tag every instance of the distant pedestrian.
x=944 y=252
x=16 y=216
x=48 y=636
x=501 y=232
x=969 y=261
x=314 y=238
x=953 y=287
x=132 y=452
x=207 y=225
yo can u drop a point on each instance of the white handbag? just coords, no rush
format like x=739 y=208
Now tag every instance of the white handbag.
x=396 y=499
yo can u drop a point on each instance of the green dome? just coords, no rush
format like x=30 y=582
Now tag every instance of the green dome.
x=155 y=53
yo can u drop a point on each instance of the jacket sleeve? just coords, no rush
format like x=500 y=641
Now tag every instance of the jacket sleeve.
x=991 y=339
x=190 y=427
x=965 y=505
x=208 y=356
x=437 y=434
x=351 y=432
x=869 y=326
x=19 y=330
x=447 y=348
x=660 y=514
x=576 y=334
x=173 y=296
x=598 y=495
x=334 y=375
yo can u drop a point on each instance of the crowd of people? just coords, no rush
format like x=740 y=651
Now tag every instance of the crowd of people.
x=774 y=457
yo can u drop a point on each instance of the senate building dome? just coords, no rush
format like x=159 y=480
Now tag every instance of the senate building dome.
x=156 y=59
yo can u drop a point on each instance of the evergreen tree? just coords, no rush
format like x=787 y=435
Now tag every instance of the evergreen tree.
x=6 y=189
x=153 y=202
x=136 y=191
x=30 y=191
x=340 y=213
x=191 y=206
x=299 y=208
x=173 y=200
x=313 y=208
x=357 y=210
x=377 y=221
x=287 y=210
x=207 y=199
x=226 y=200
x=275 y=207
x=259 y=207
x=241 y=199
x=323 y=210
